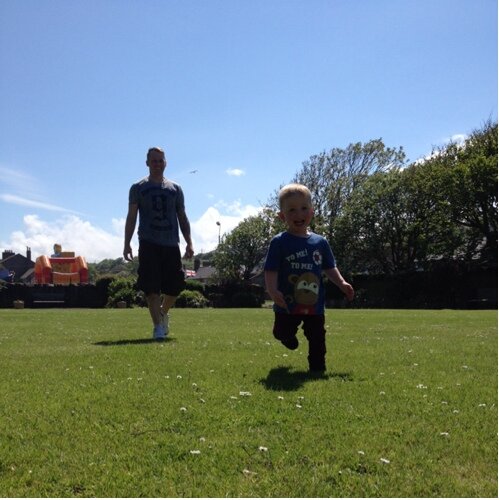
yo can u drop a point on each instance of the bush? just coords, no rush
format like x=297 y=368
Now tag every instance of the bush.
x=191 y=298
x=102 y=285
x=121 y=289
x=194 y=285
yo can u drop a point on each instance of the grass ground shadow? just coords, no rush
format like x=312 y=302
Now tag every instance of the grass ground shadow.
x=283 y=378
x=107 y=343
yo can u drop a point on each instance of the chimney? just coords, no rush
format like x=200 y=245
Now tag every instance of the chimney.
x=28 y=253
x=7 y=253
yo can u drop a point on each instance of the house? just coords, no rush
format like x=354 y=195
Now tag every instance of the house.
x=22 y=267
x=203 y=274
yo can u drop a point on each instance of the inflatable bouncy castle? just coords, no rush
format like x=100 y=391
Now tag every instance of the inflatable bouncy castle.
x=61 y=268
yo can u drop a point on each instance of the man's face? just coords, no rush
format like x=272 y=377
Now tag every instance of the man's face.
x=156 y=163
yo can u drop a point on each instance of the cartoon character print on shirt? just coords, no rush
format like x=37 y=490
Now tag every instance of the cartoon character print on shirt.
x=305 y=293
x=160 y=206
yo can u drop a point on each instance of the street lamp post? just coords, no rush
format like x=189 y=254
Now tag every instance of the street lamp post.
x=219 y=229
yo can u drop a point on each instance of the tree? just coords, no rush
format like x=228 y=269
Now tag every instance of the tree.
x=443 y=207
x=461 y=179
x=118 y=267
x=467 y=182
x=395 y=222
x=332 y=177
x=243 y=249
x=380 y=229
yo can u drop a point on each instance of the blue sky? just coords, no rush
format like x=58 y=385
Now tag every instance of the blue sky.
x=241 y=91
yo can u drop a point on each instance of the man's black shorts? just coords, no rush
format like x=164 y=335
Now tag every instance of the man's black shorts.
x=160 y=269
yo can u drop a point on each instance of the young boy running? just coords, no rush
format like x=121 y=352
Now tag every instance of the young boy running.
x=294 y=265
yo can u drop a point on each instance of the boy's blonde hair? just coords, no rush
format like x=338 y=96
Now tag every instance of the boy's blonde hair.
x=293 y=189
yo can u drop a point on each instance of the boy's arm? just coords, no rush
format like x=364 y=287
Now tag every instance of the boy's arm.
x=271 y=286
x=335 y=276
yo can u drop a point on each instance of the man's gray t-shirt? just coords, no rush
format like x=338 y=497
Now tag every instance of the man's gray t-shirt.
x=158 y=207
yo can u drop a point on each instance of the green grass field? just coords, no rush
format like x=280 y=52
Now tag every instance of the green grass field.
x=90 y=407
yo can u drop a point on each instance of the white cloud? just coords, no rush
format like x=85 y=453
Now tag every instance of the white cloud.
x=236 y=172
x=24 y=190
x=24 y=202
x=457 y=138
x=70 y=231
x=95 y=244
x=205 y=231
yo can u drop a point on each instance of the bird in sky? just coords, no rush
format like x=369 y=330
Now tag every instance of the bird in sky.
x=193 y=171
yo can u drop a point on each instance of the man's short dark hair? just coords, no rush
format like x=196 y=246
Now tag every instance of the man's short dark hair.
x=156 y=150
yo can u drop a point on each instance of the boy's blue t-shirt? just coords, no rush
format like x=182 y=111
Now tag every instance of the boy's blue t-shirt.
x=299 y=262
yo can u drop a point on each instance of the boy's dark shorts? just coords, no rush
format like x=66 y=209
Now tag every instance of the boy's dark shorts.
x=160 y=269
x=286 y=326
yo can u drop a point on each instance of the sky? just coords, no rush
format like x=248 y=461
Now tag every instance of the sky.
x=239 y=93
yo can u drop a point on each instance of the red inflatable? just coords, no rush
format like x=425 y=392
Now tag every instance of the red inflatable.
x=61 y=270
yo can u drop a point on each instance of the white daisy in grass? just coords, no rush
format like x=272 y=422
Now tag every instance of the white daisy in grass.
x=384 y=460
x=183 y=409
x=247 y=472
x=195 y=452
x=244 y=393
x=263 y=449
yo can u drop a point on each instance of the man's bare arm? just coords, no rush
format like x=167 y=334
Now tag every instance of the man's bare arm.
x=185 y=228
x=131 y=221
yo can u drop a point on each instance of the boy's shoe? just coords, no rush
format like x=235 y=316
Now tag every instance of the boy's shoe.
x=317 y=374
x=290 y=343
x=158 y=332
x=165 y=321
x=317 y=369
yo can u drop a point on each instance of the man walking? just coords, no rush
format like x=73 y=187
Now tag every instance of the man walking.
x=160 y=205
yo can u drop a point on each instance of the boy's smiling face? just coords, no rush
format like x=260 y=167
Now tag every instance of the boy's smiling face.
x=297 y=212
